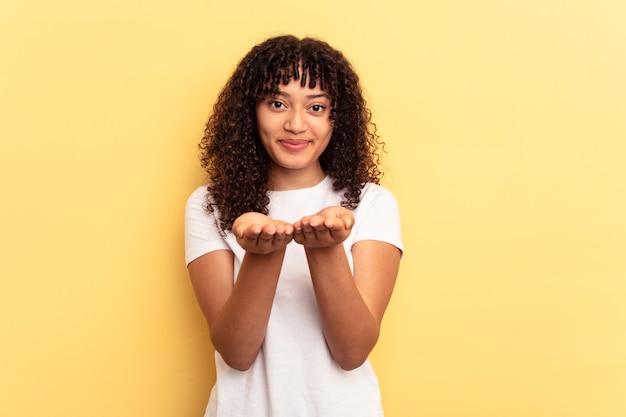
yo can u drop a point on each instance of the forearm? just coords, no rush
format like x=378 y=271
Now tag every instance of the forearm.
x=239 y=329
x=350 y=328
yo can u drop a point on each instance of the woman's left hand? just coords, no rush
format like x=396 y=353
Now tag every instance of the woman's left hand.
x=330 y=226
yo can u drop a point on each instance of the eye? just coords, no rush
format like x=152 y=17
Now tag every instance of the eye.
x=275 y=104
x=317 y=108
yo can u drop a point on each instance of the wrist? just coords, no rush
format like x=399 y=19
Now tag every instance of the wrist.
x=335 y=250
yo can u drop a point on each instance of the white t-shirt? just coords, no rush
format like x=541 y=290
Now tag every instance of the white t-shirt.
x=294 y=374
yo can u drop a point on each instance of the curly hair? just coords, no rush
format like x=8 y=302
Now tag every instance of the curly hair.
x=232 y=153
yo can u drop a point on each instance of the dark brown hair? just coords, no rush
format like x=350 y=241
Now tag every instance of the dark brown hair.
x=231 y=150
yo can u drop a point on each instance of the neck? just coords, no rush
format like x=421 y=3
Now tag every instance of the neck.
x=282 y=179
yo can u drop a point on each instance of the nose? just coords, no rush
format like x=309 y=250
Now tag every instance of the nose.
x=295 y=122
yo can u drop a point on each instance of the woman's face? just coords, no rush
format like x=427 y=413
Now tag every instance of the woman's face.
x=295 y=128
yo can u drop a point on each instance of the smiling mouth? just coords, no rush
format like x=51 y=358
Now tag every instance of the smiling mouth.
x=294 y=145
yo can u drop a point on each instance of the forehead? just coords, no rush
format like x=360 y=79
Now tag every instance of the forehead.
x=295 y=88
x=293 y=75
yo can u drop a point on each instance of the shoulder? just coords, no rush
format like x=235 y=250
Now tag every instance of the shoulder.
x=197 y=204
x=377 y=217
x=198 y=195
x=370 y=187
x=377 y=195
x=377 y=202
x=202 y=234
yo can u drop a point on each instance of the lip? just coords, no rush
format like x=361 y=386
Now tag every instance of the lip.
x=294 y=145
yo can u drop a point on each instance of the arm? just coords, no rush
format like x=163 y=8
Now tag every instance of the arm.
x=351 y=306
x=238 y=313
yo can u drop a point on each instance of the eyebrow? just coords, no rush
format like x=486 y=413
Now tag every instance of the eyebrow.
x=310 y=96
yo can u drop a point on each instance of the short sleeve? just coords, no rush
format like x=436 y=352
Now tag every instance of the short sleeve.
x=201 y=233
x=377 y=217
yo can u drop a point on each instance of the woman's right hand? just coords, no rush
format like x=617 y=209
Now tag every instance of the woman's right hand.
x=238 y=310
x=260 y=234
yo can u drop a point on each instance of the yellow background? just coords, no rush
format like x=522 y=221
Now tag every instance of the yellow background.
x=505 y=122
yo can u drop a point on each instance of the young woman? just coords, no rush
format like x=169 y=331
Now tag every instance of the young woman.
x=293 y=248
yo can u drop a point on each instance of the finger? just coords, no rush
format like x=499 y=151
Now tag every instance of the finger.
x=307 y=228
x=289 y=228
x=254 y=230
x=334 y=223
x=348 y=221
x=280 y=232
x=266 y=237
x=284 y=228
x=281 y=240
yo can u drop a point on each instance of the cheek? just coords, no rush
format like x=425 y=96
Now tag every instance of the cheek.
x=330 y=130
x=325 y=127
x=265 y=131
